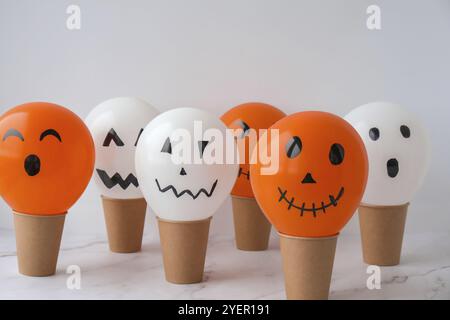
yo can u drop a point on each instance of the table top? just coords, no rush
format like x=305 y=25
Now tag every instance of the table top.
x=424 y=272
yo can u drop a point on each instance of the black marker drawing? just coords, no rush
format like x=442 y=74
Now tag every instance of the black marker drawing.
x=244 y=126
x=50 y=132
x=314 y=209
x=32 y=165
x=112 y=136
x=392 y=168
x=139 y=135
x=117 y=179
x=244 y=173
x=13 y=133
x=189 y=192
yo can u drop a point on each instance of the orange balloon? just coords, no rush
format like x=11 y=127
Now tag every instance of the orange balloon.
x=321 y=177
x=46 y=158
x=252 y=115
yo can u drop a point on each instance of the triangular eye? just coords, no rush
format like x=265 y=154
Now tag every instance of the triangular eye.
x=139 y=135
x=167 y=147
x=294 y=147
x=201 y=146
x=245 y=127
x=112 y=135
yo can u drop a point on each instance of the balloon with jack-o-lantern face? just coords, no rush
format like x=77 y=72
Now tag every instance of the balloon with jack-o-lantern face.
x=46 y=158
x=184 y=190
x=321 y=177
x=246 y=116
x=116 y=126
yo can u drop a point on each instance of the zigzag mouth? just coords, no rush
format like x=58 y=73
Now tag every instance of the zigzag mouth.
x=189 y=192
x=242 y=172
x=314 y=209
x=117 y=179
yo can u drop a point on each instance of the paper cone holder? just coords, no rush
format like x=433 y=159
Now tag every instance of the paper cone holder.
x=38 y=239
x=184 y=245
x=125 y=219
x=307 y=266
x=382 y=229
x=251 y=227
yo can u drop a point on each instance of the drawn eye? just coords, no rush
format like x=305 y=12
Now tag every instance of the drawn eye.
x=167 y=147
x=406 y=133
x=13 y=133
x=139 y=135
x=50 y=132
x=201 y=146
x=112 y=136
x=374 y=134
x=337 y=154
x=245 y=127
x=294 y=147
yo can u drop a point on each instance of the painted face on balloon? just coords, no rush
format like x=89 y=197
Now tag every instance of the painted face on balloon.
x=321 y=177
x=203 y=191
x=187 y=190
x=246 y=117
x=116 y=126
x=398 y=150
x=46 y=159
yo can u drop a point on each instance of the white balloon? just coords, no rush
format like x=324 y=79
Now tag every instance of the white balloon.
x=187 y=191
x=398 y=149
x=116 y=125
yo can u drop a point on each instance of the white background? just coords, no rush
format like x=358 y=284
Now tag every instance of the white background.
x=210 y=54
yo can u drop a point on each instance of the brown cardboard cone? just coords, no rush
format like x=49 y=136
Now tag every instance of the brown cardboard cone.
x=37 y=240
x=382 y=233
x=183 y=246
x=251 y=227
x=124 y=223
x=307 y=266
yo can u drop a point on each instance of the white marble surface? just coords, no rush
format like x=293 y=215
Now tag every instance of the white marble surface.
x=229 y=273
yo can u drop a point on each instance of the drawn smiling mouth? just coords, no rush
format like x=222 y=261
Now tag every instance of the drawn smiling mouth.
x=186 y=191
x=242 y=172
x=117 y=179
x=314 y=209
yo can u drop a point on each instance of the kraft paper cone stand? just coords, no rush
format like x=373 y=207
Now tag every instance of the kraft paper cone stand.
x=307 y=266
x=183 y=245
x=38 y=239
x=251 y=227
x=382 y=229
x=125 y=220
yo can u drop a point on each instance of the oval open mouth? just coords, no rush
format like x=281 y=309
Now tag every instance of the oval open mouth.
x=333 y=201
x=392 y=168
x=32 y=165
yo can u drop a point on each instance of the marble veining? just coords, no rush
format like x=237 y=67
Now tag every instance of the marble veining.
x=229 y=274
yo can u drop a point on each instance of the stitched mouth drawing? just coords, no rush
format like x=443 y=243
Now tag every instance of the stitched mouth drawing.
x=244 y=173
x=333 y=201
x=188 y=192
x=117 y=179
